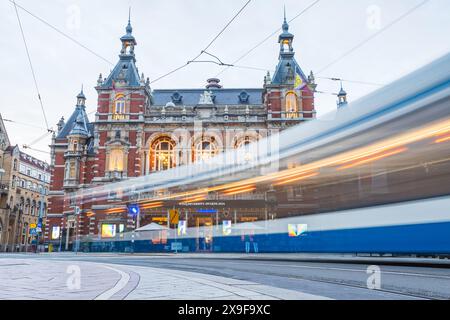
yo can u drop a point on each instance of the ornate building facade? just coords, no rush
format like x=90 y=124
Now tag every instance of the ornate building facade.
x=139 y=130
x=24 y=187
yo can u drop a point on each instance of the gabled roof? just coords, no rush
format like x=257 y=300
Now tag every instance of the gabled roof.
x=125 y=70
x=191 y=97
x=281 y=72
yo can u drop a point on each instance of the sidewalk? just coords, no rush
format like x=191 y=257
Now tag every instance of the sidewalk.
x=30 y=279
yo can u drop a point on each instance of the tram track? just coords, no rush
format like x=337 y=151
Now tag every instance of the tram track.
x=232 y=271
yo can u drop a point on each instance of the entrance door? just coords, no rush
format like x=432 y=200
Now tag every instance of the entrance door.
x=204 y=234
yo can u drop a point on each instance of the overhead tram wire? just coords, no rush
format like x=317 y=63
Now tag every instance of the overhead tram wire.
x=31 y=67
x=352 y=81
x=206 y=48
x=61 y=33
x=269 y=36
x=24 y=124
x=325 y=78
x=376 y=34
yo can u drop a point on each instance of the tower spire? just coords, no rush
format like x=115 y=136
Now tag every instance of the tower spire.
x=342 y=97
x=81 y=98
x=128 y=40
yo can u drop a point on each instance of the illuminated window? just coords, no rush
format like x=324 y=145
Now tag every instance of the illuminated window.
x=205 y=150
x=116 y=160
x=70 y=170
x=119 y=107
x=163 y=154
x=74 y=145
x=291 y=106
x=247 y=150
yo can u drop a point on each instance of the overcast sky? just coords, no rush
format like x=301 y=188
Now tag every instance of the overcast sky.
x=171 y=32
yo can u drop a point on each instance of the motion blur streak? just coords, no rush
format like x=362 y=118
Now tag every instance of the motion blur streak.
x=294 y=194
x=375 y=158
x=295 y=179
x=444 y=139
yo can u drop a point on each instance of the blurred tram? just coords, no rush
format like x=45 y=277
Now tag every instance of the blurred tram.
x=373 y=177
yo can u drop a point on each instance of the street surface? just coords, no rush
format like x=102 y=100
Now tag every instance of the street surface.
x=110 y=276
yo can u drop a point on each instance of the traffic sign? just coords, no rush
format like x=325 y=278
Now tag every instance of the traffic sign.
x=33 y=226
x=33 y=232
x=174 y=216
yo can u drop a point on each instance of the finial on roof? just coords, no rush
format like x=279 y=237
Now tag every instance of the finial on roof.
x=285 y=23
x=81 y=94
x=129 y=28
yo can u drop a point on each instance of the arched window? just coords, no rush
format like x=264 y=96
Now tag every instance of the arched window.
x=162 y=154
x=291 y=106
x=247 y=151
x=27 y=206
x=119 y=107
x=116 y=157
x=33 y=207
x=205 y=149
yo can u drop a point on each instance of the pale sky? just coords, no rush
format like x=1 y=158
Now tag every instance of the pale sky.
x=171 y=32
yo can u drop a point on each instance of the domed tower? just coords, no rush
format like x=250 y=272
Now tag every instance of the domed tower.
x=289 y=94
x=342 y=98
x=123 y=100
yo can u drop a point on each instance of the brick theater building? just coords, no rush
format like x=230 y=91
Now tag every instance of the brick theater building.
x=135 y=133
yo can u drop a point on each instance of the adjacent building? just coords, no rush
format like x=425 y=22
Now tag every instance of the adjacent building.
x=25 y=183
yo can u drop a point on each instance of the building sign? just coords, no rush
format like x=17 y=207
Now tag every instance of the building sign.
x=219 y=204
x=182 y=227
x=108 y=230
x=206 y=211
x=226 y=228
x=296 y=230
x=174 y=216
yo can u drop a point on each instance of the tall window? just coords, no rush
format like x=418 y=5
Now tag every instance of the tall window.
x=291 y=106
x=246 y=150
x=116 y=160
x=71 y=171
x=119 y=107
x=205 y=150
x=163 y=154
x=74 y=145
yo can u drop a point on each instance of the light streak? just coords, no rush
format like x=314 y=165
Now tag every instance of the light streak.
x=374 y=158
x=297 y=178
x=443 y=139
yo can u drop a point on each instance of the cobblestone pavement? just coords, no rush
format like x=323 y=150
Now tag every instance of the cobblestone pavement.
x=30 y=279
